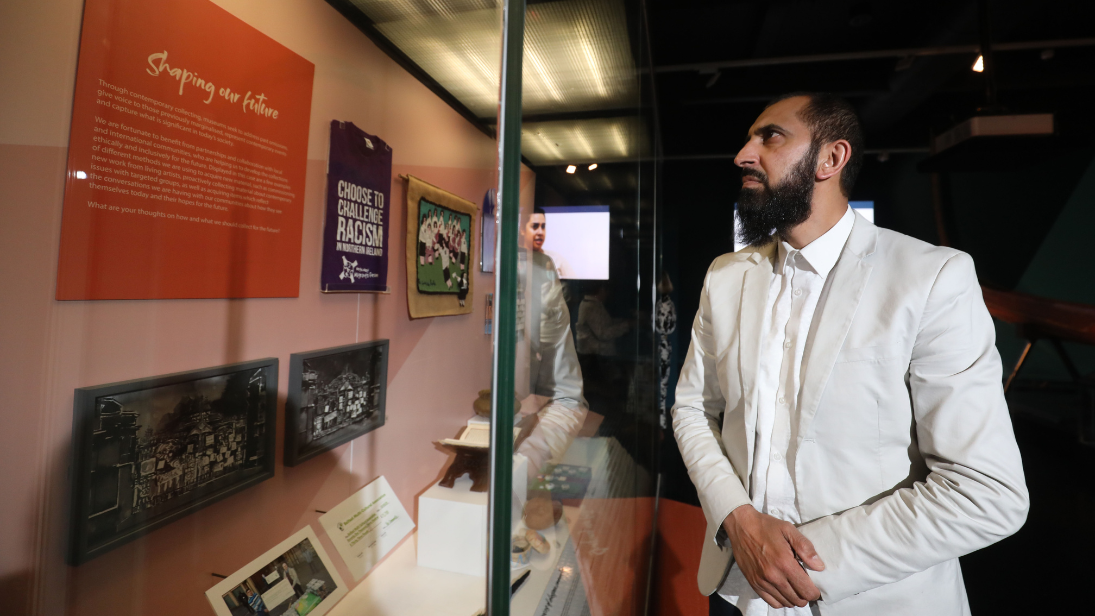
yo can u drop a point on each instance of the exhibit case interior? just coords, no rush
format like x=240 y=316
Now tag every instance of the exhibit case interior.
x=576 y=275
x=328 y=307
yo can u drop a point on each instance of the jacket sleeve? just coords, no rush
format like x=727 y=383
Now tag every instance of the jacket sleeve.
x=699 y=404
x=559 y=376
x=975 y=493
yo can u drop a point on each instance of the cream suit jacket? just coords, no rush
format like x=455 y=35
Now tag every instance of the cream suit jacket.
x=906 y=458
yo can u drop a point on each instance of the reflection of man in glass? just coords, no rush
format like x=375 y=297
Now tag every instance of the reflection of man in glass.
x=553 y=365
x=535 y=234
x=536 y=230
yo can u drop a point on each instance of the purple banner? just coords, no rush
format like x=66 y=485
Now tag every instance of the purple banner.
x=355 y=235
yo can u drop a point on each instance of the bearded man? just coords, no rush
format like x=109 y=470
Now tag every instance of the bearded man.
x=840 y=409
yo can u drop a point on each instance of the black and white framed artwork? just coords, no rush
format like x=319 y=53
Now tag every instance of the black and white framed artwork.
x=149 y=451
x=335 y=396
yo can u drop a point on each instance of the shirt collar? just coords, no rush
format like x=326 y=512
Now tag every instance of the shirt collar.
x=823 y=253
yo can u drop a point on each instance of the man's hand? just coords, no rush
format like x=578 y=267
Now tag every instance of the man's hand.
x=765 y=549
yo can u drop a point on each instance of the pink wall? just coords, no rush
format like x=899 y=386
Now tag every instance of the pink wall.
x=49 y=348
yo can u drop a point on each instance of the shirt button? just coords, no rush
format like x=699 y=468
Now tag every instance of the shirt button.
x=777 y=457
x=782 y=400
x=775 y=513
x=787 y=344
x=798 y=292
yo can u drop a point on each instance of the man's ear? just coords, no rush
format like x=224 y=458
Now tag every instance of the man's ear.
x=832 y=158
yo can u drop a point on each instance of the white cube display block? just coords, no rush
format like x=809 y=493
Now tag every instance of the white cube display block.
x=452 y=524
x=452 y=529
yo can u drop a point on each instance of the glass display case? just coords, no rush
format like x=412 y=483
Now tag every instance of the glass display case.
x=330 y=307
x=576 y=339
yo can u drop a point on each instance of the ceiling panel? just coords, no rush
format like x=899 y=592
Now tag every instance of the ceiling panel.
x=597 y=140
x=457 y=43
x=577 y=52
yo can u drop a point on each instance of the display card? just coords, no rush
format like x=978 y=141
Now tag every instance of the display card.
x=367 y=526
x=294 y=577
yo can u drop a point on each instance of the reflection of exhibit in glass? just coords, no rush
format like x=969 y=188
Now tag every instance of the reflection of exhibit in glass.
x=555 y=378
x=534 y=239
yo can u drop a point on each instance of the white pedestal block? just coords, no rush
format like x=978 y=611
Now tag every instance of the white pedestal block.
x=452 y=524
x=452 y=529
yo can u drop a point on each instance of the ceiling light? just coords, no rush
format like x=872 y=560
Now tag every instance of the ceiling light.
x=593 y=166
x=571 y=168
x=979 y=65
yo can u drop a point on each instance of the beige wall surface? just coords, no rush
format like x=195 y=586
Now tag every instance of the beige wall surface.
x=49 y=348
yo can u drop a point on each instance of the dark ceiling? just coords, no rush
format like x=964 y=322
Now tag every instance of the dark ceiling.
x=906 y=66
x=902 y=100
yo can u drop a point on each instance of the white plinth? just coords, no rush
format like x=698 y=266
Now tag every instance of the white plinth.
x=452 y=523
x=452 y=529
x=396 y=587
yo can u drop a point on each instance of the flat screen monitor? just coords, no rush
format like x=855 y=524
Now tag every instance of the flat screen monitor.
x=866 y=208
x=577 y=240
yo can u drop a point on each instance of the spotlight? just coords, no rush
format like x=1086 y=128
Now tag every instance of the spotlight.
x=979 y=65
x=571 y=168
x=593 y=166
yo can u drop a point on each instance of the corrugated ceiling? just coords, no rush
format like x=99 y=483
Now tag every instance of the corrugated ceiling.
x=577 y=59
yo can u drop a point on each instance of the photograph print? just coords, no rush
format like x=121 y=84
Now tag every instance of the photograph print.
x=295 y=578
x=444 y=243
x=148 y=452
x=335 y=396
x=441 y=230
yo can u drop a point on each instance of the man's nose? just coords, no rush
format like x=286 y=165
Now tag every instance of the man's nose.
x=746 y=155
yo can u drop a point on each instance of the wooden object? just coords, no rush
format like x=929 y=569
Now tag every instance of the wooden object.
x=1041 y=318
x=470 y=461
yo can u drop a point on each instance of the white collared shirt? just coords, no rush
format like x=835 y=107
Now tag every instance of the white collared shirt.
x=799 y=276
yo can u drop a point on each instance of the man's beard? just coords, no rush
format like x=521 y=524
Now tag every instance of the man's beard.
x=779 y=208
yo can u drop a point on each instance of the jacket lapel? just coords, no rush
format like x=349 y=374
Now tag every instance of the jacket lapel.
x=844 y=289
x=754 y=297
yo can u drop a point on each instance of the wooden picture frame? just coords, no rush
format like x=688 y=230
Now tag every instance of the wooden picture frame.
x=335 y=395
x=441 y=237
x=147 y=452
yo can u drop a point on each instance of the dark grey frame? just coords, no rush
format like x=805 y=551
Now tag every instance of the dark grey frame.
x=293 y=456
x=79 y=551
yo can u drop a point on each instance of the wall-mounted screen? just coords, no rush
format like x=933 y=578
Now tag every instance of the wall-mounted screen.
x=866 y=208
x=577 y=240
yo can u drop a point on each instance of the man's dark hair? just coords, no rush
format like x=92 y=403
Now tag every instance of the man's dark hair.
x=830 y=118
x=538 y=210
